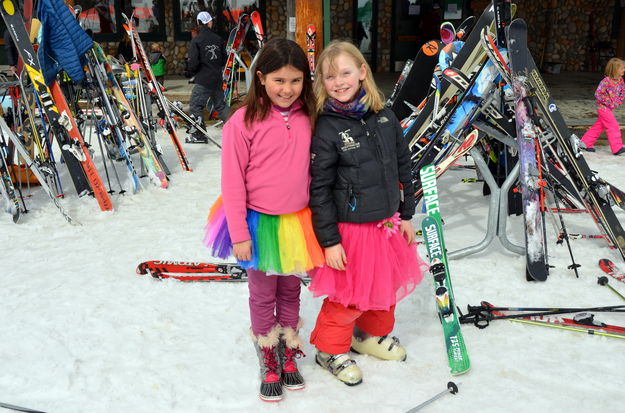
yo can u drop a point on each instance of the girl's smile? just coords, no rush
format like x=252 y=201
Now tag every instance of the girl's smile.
x=342 y=79
x=283 y=86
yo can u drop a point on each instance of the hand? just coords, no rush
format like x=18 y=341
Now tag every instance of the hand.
x=243 y=250
x=13 y=70
x=335 y=257
x=407 y=230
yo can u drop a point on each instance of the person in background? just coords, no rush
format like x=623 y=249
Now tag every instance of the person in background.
x=157 y=61
x=609 y=95
x=207 y=57
x=124 y=49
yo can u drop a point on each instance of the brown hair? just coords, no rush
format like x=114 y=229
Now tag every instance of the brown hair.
x=274 y=55
x=613 y=66
x=373 y=97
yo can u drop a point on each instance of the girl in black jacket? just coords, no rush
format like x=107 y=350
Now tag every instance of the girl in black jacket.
x=361 y=197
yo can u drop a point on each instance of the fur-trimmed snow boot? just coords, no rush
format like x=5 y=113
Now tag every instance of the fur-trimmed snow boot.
x=342 y=366
x=290 y=349
x=267 y=351
x=382 y=347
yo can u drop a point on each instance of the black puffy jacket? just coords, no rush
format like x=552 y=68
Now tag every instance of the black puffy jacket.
x=207 y=57
x=357 y=167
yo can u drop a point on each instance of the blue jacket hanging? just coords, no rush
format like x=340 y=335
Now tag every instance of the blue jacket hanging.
x=63 y=42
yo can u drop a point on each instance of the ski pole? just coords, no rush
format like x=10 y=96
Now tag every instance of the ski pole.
x=451 y=388
x=604 y=281
x=18 y=408
x=567 y=328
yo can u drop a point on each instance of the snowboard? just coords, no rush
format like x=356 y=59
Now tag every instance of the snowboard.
x=417 y=82
x=530 y=171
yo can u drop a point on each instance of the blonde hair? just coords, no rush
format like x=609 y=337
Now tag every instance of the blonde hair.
x=613 y=66
x=373 y=97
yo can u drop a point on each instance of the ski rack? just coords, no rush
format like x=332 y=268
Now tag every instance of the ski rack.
x=247 y=69
x=496 y=223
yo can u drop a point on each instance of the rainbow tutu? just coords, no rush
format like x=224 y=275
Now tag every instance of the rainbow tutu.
x=281 y=244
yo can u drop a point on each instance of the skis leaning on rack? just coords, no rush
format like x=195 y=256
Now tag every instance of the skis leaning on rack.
x=457 y=355
x=156 y=92
x=74 y=151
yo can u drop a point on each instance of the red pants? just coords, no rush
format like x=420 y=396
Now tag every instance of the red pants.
x=606 y=121
x=335 y=326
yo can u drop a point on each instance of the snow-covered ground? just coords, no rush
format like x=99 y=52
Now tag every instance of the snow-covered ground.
x=82 y=332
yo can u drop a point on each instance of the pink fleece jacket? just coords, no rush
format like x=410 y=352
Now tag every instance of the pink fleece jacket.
x=264 y=167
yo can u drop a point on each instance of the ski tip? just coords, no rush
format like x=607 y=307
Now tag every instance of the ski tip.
x=142 y=268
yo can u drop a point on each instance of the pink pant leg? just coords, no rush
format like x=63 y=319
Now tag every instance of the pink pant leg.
x=593 y=133
x=613 y=129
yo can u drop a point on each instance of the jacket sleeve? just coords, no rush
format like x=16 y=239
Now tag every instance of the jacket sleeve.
x=235 y=157
x=407 y=207
x=194 y=58
x=324 y=159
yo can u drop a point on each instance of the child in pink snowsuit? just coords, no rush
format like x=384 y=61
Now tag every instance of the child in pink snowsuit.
x=610 y=94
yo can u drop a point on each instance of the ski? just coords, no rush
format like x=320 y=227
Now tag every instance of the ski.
x=594 y=194
x=39 y=173
x=155 y=90
x=73 y=153
x=257 y=24
x=7 y=189
x=111 y=124
x=457 y=355
x=608 y=267
x=311 y=36
x=447 y=32
x=156 y=266
x=416 y=84
x=530 y=172
x=240 y=31
x=131 y=124
x=469 y=142
x=580 y=320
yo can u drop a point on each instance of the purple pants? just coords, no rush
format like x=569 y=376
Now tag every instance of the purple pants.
x=274 y=299
x=607 y=122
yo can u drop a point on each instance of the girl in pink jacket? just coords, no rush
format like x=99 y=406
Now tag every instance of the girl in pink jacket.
x=262 y=217
x=610 y=94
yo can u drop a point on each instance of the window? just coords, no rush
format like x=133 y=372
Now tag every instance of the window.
x=104 y=18
x=225 y=13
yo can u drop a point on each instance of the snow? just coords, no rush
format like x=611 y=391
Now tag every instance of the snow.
x=82 y=332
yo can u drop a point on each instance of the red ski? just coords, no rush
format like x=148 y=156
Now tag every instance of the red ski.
x=97 y=186
x=611 y=269
x=311 y=35
x=194 y=271
x=257 y=24
x=157 y=266
x=237 y=43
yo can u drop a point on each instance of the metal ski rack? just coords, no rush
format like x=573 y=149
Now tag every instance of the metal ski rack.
x=498 y=204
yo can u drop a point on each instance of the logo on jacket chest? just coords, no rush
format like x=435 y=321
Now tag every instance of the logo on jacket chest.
x=348 y=142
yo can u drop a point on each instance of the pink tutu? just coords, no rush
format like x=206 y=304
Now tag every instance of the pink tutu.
x=381 y=268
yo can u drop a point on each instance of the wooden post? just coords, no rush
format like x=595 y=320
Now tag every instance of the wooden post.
x=309 y=12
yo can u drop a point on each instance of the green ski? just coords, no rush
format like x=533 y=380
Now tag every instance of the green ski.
x=457 y=355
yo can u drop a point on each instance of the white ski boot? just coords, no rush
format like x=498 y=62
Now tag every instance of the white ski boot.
x=342 y=366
